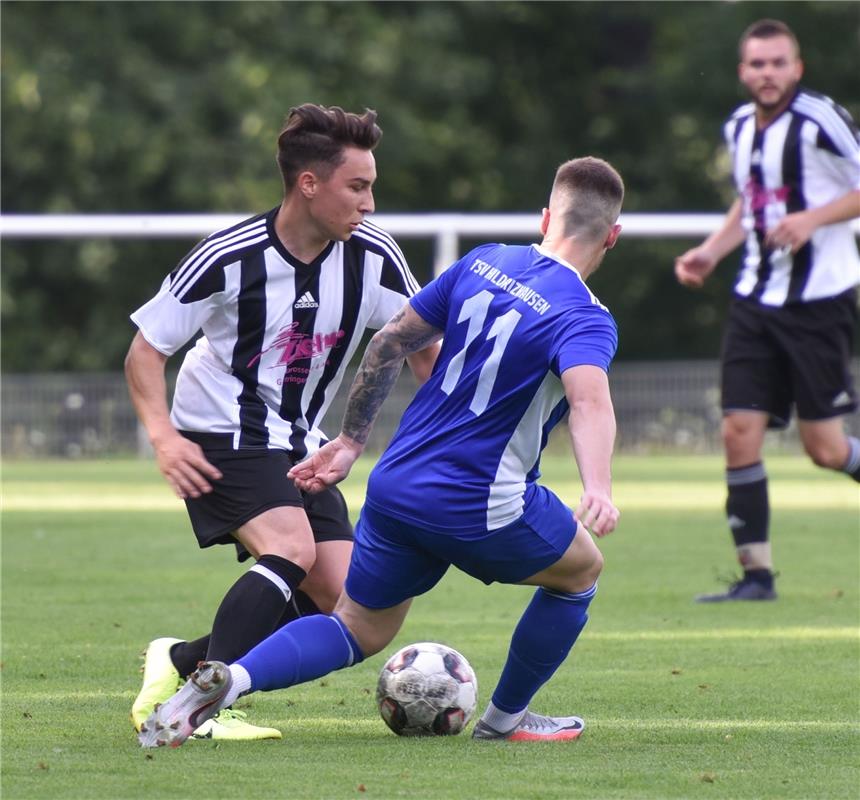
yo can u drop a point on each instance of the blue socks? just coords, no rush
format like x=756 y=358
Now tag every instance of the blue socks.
x=542 y=639
x=301 y=651
x=312 y=647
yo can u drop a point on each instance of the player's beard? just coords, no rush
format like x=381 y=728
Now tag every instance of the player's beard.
x=782 y=100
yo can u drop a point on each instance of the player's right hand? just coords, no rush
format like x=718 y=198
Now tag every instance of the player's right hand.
x=184 y=466
x=692 y=267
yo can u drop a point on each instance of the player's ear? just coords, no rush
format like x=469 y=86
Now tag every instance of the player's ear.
x=307 y=184
x=612 y=237
x=544 y=222
x=799 y=70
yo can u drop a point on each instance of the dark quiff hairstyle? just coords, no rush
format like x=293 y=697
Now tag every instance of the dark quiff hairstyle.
x=315 y=137
x=767 y=29
x=590 y=192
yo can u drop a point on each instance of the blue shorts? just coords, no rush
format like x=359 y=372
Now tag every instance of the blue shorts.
x=394 y=560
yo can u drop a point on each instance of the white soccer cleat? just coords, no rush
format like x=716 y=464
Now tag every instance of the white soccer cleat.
x=171 y=723
x=533 y=728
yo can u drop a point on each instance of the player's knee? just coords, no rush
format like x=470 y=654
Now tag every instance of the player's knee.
x=592 y=569
x=585 y=570
x=301 y=553
x=734 y=433
x=825 y=454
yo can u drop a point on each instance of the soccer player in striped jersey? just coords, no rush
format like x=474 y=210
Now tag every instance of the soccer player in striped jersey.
x=283 y=300
x=792 y=322
x=525 y=342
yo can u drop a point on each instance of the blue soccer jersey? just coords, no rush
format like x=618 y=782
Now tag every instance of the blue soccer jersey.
x=466 y=455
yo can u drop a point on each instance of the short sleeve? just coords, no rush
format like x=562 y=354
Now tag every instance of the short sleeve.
x=590 y=337
x=168 y=323
x=396 y=283
x=837 y=134
x=433 y=301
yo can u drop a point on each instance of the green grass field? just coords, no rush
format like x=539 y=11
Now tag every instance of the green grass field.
x=680 y=700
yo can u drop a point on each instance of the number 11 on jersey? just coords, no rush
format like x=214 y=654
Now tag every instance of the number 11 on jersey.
x=475 y=310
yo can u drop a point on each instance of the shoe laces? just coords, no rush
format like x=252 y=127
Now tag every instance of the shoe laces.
x=227 y=715
x=730 y=579
x=532 y=721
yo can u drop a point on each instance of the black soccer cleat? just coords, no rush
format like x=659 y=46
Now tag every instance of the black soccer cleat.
x=743 y=589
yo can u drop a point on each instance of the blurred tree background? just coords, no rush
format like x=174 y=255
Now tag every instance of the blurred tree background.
x=116 y=107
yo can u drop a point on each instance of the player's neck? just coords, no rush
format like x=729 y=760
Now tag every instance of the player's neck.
x=297 y=232
x=583 y=259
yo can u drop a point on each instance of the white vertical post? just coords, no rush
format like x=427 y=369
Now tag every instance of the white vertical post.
x=447 y=249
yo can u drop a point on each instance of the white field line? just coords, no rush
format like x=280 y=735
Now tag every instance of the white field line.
x=629 y=496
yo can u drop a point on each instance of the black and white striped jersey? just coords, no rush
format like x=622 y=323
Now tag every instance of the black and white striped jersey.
x=805 y=158
x=278 y=334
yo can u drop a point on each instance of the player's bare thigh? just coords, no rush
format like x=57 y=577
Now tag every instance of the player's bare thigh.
x=576 y=570
x=283 y=531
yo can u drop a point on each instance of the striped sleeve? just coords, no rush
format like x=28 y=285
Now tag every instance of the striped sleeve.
x=396 y=283
x=732 y=127
x=199 y=273
x=396 y=273
x=837 y=131
x=167 y=323
x=190 y=294
x=837 y=134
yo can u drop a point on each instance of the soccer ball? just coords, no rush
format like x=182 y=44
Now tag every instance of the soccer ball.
x=427 y=689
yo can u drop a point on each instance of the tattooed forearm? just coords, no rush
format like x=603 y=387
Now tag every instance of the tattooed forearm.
x=376 y=374
x=405 y=333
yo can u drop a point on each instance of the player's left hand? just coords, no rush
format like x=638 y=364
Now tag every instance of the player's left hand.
x=328 y=466
x=791 y=232
x=597 y=513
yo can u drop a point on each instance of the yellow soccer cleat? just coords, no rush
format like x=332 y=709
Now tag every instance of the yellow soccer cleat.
x=160 y=680
x=230 y=724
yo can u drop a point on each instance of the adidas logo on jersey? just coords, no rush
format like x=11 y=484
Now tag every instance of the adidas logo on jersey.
x=306 y=301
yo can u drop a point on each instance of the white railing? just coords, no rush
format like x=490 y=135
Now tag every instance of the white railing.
x=445 y=229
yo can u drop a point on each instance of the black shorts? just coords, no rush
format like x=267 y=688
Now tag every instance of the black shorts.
x=255 y=480
x=799 y=354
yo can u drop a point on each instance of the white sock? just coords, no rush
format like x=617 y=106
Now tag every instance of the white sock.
x=502 y=721
x=241 y=685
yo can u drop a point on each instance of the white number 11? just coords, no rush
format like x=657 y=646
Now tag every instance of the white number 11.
x=475 y=310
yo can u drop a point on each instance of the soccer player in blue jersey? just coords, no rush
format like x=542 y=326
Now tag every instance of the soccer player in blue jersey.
x=524 y=341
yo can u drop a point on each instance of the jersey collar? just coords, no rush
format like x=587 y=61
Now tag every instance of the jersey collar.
x=549 y=254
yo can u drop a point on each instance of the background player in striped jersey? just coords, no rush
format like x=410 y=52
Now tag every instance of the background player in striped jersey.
x=525 y=341
x=283 y=300
x=792 y=321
